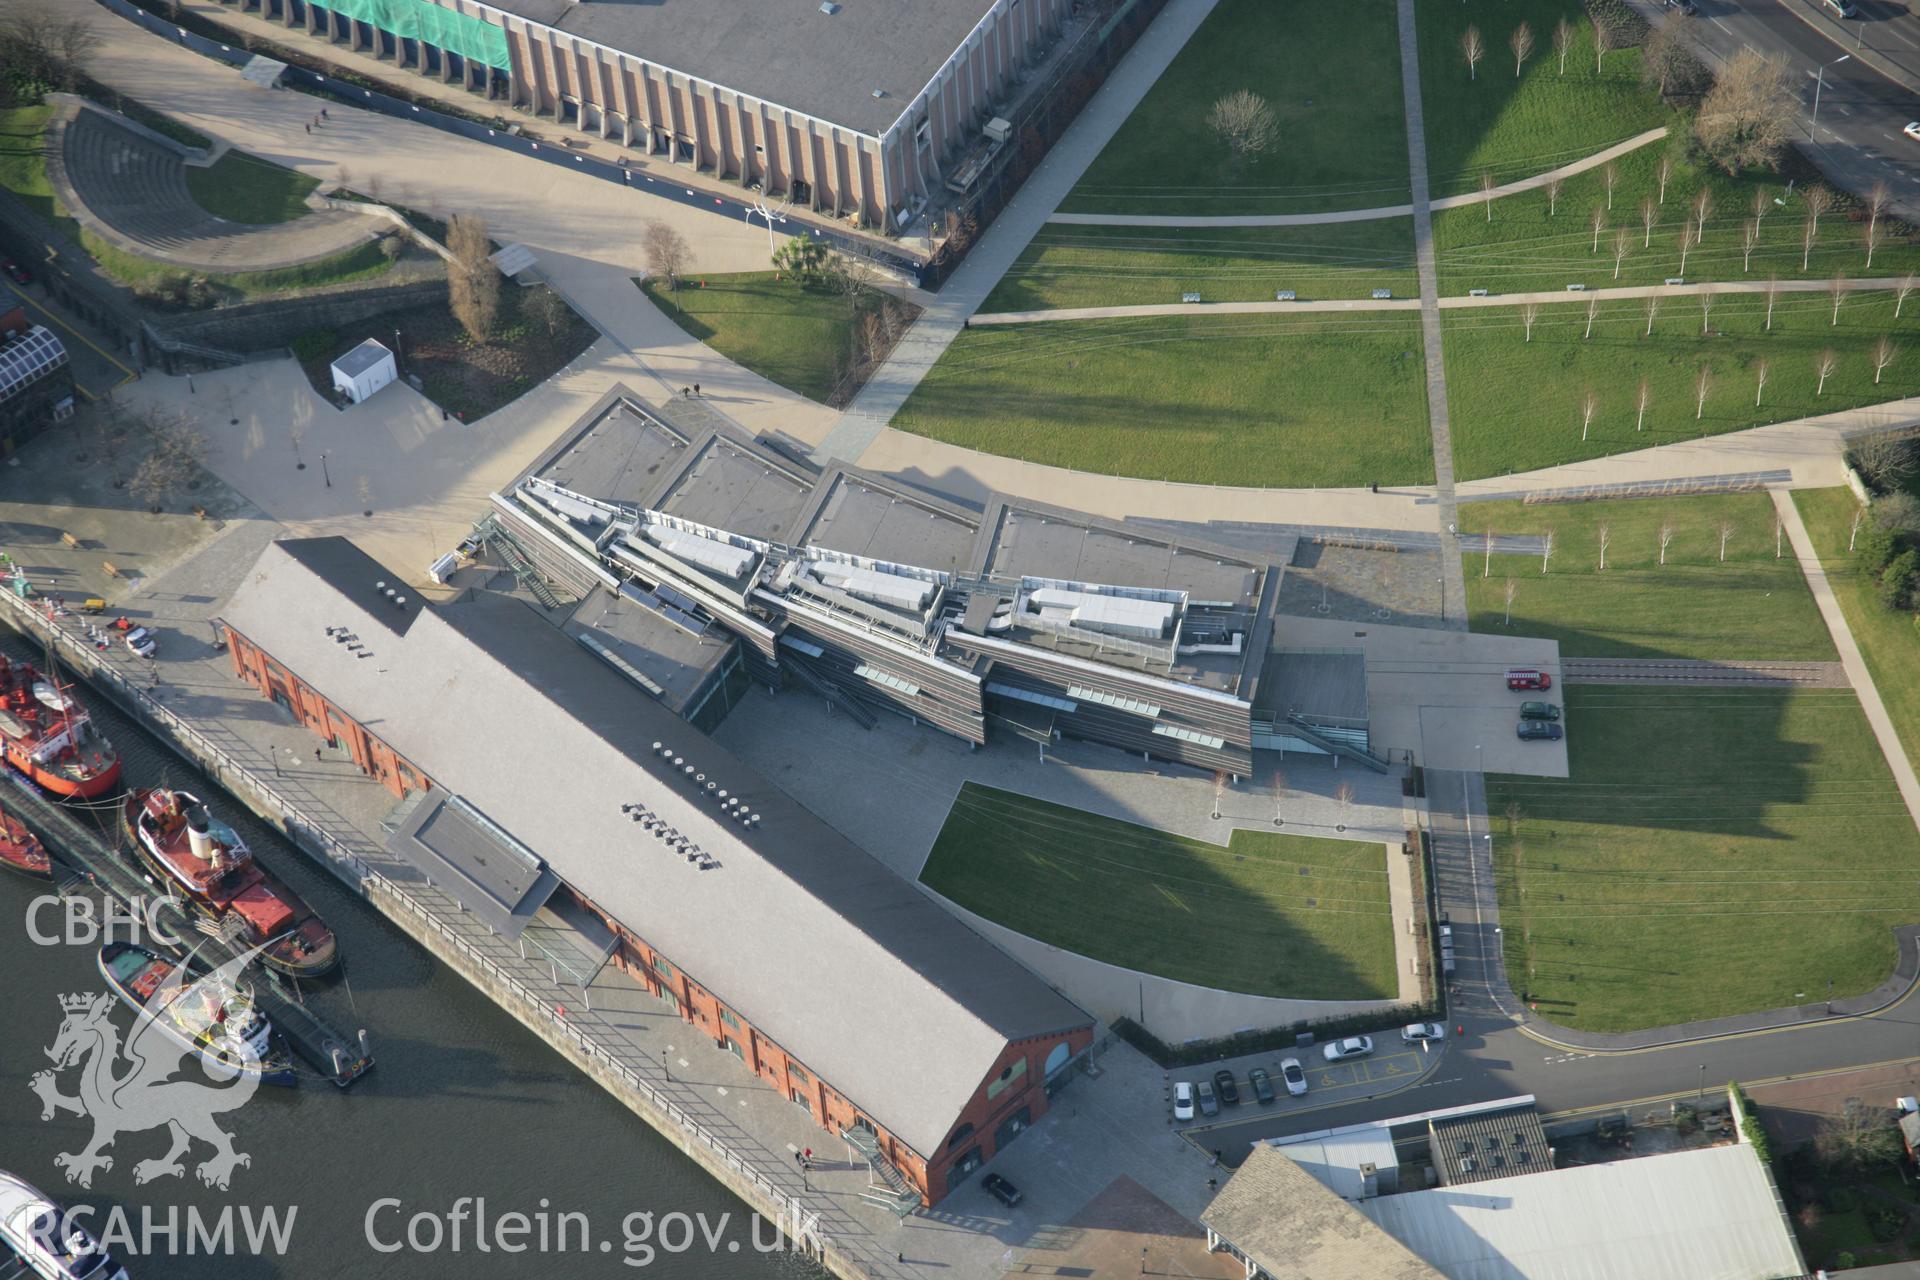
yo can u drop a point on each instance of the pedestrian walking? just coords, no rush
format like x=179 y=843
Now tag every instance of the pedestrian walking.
x=307 y=127
x=323 y=113
x=696 y=389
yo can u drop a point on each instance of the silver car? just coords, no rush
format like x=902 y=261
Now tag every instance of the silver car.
x=1351 y=1047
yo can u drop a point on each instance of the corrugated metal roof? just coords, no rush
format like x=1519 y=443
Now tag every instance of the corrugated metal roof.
x=1686 y=1215
x=1335 y=1158
x=868 y=982
x=1488 y=1144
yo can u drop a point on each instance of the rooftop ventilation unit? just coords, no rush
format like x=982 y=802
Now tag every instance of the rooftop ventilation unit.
x=722 y=558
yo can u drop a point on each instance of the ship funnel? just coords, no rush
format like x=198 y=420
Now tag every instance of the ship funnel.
x=198 y=836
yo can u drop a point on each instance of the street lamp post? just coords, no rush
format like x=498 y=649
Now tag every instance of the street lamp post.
x=664 y=1069
x=1702 y=1095
x=1819 y=82
x=323 y=469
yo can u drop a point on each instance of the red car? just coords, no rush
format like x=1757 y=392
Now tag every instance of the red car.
x=15 y=272
x=1527 y=678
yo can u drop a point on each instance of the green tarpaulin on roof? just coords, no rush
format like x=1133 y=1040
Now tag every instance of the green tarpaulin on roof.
x=471 y=38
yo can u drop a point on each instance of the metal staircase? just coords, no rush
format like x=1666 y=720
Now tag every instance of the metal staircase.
x=857 y=711
x=886 y=1185
x=1304 y=729
x=511 y=554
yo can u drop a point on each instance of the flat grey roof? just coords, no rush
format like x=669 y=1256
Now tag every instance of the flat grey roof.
x=362 y=358
x=1314 y=682
x=726 y=486
x=789 y=53
x=494 y=876
x=674 y=658
x=621 y=455
x=860 y=516
x=1488 y=1145
x=1030 y=541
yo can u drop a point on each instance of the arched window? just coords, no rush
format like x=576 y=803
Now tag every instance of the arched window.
x=1057 y=1059
x=960 y=1135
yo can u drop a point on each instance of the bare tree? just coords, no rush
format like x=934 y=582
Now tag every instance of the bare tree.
x=1727 y=528
x=1685 y=242
x=1819 y=199
x=1512 y=587
x=1664 y=58
x=1886 y=460
x=1589 y=405
x=1486 y=565
x=1345 y=795
x=1879 y=198
x=1707 y=294
x=1610 y=178
x=1749 y=237
x=473 y=283
x=550 y=310
x=1244 y=122
x=1605 y=531
x=1553 y=195
x=667 y=252
x=1870 y=236
x=1858 y=1137
x=1663 y=172
x=1904 y=290
x=1702 y=385
x=1562 y=41
x=1779 y=530
x=1279 y=796
x=1761 y=368
x=1546 y=548
x=1883 y=353
x=1702 y=210
x=1853 y=530
x=1521 y=42
x=1529 y=312
x=1747 y=118
x=1599 y=224
x=1666 y=539
x=1649 y=218
x=177 y=454
x=1602 y=44
x=1653 y=309
x=1809 y=233
x=1486 y=191
x=1622 y=246
x=1824 y=365
x=1762 y=201
x=1837 y=289
x=1642 y=398
x=1773 y=295
x=46 y=43
x=1593 y=309
x=1474 y=49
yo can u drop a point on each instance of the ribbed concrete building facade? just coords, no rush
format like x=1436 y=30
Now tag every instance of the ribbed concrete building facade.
x=855 y=108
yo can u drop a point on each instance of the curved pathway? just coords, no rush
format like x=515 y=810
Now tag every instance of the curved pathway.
x=1534 y=183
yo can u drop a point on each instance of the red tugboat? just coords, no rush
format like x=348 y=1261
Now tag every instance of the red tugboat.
x=48 y=736
x=206 y=861
x=21 y=850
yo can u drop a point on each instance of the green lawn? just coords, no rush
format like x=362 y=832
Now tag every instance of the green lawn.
x=1075 y=266
x=1512 y=128
x=783 y=331
x=245 y=189
x=1331 y=75
x=1270 y=915
x=23 y=167
x=1516 y=405
x=1715 y=851
x=1752 y=606
x=1527 y=245
x=1888 y=639
x=1268 y=400
x=363 y=262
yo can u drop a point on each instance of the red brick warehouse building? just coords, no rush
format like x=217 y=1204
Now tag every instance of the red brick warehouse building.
x=553 y=787
x=859 y=108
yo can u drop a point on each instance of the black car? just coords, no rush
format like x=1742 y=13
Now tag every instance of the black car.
x=1002 y=1190
x=1261 y=1084
x=1223 y=1082
x=15 y=272
x=1539 y=731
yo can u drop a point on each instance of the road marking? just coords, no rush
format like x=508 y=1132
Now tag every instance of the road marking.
x=1723 y=26
x=1630 y=1103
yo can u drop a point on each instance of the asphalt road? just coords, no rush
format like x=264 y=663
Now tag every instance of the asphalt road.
x=1857 y=139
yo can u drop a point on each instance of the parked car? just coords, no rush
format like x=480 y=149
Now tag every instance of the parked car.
x=1539 y=711
x=15 y=272
x=1446 y=935
x=1209 y=1104
x=1912 y=130
x=1684 y=6
x=1351 y=1047
x=1528 y=678
x=1539 y=731
x=141 y=641
x=1002 y=1190
x=1183 y=1101
x=1414 y=1032
x=1223 y=1085
x=1839 y=8
x=1261 y=1083
x=1294 y=1076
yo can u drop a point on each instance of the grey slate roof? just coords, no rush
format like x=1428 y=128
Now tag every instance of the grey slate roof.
x=1281 y=1218
x=867 y=981
x=785 y=51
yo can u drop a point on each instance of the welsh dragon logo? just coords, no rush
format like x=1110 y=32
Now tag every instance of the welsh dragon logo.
x=146 y=1095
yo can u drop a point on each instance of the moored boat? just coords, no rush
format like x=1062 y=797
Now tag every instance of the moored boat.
x=39 y=1235
x=46 y=734
x=205 y=1016
x=21 y=850
x=205 y=861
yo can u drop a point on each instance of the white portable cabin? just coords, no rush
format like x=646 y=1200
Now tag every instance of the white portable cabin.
x=363 y=370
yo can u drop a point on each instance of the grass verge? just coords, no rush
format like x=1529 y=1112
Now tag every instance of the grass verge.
x=1713 y=852
x=1753 y=605
x=248 y=190
x=1516 y=405
x=1090 y=266
x=1307 y=400
x=1269 y=915
x=1331 y=75
x=1889 y=639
